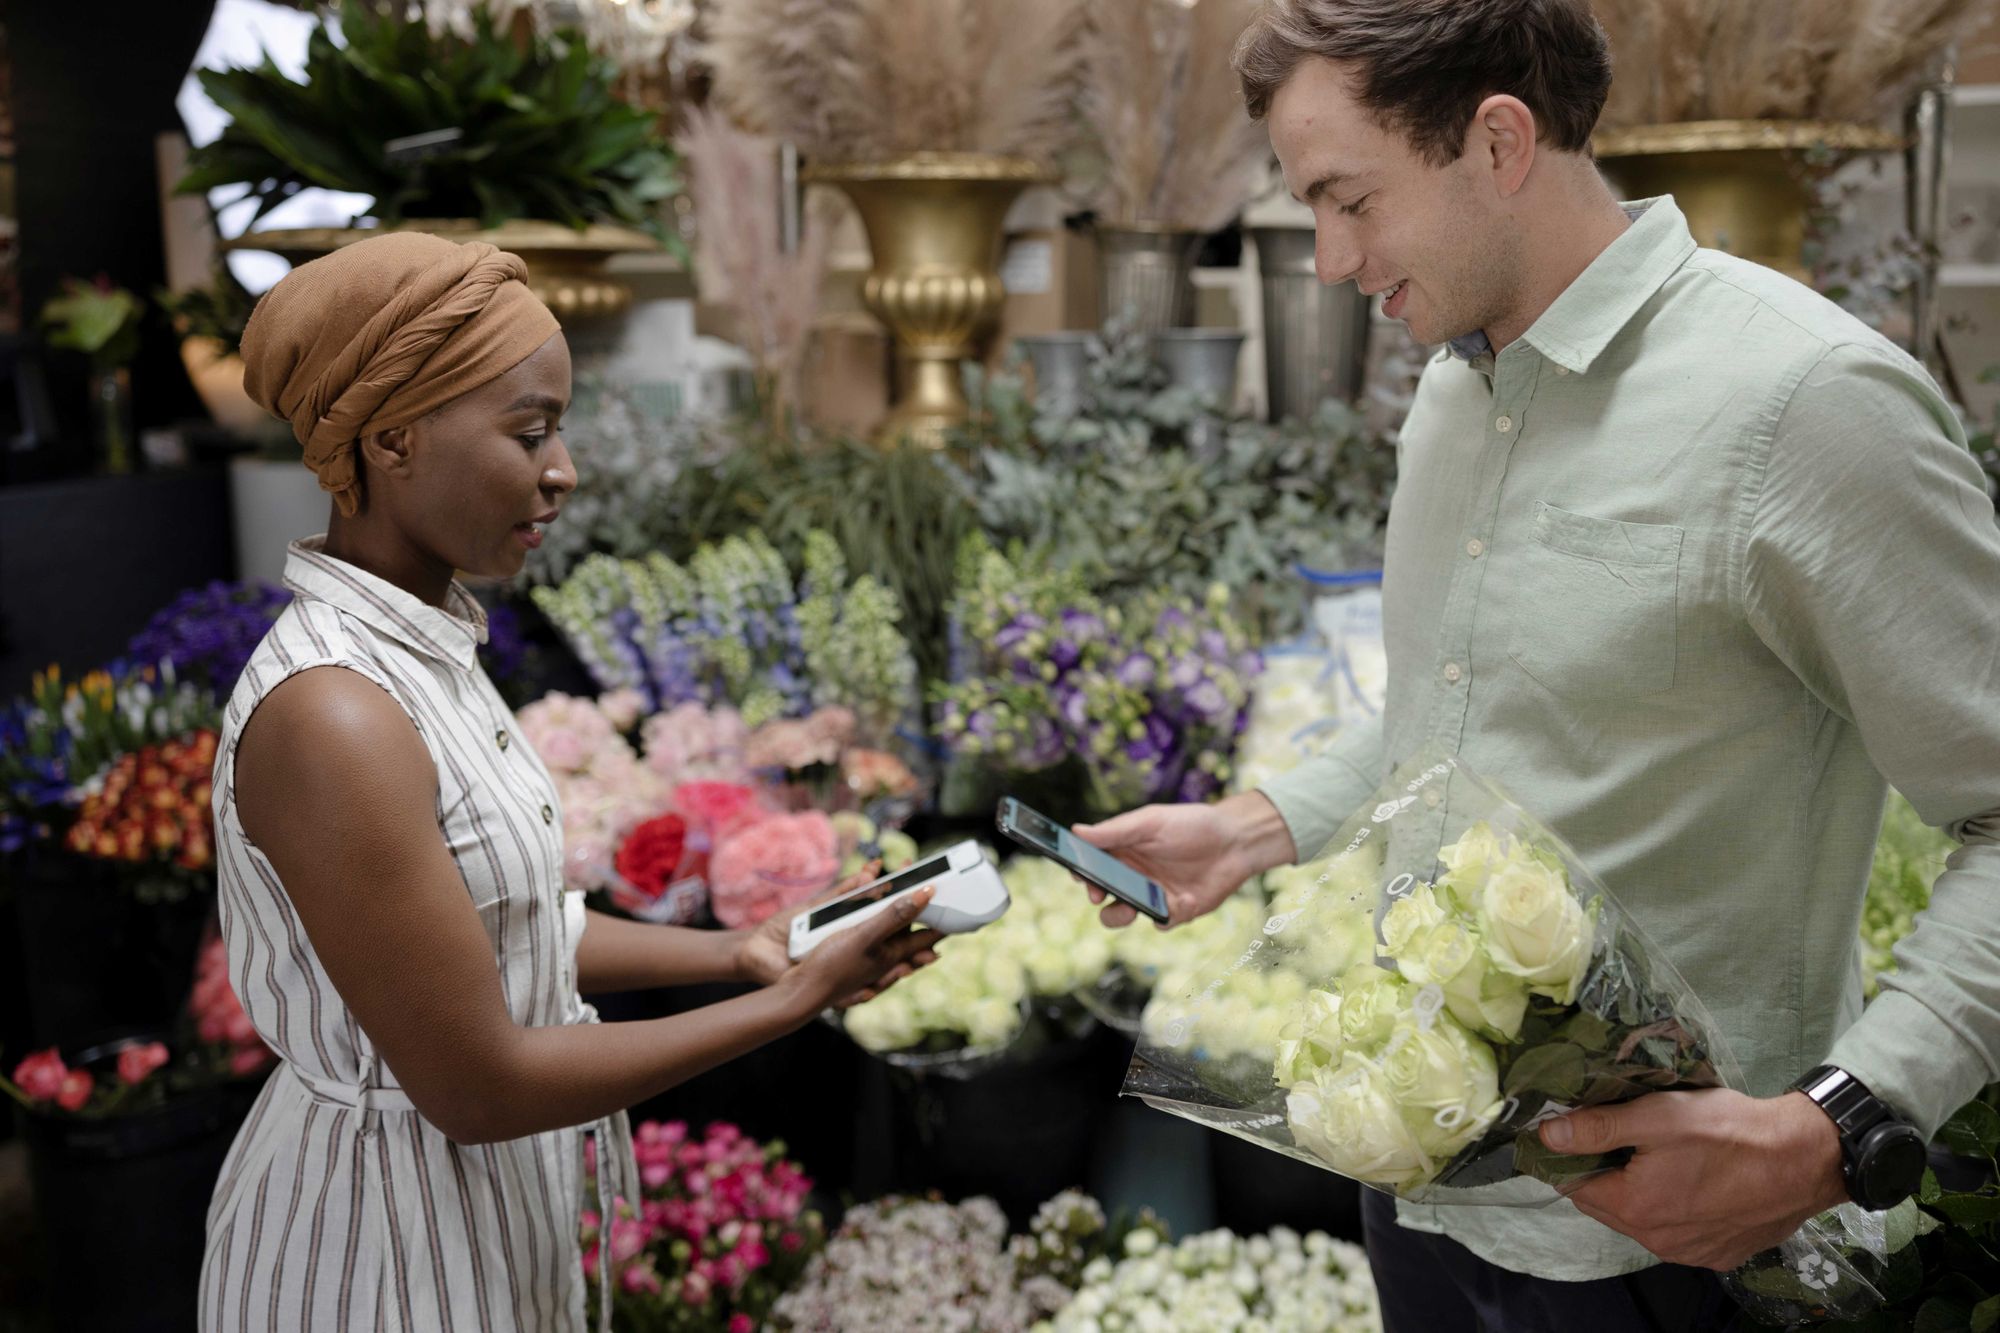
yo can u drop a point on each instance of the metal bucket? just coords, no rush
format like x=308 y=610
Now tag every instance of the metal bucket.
x=1144 y=271
x=1061 y=365
x=1315 y=336
x=1203 y=360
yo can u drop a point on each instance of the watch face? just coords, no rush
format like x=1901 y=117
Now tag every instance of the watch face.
x=1890 y=1166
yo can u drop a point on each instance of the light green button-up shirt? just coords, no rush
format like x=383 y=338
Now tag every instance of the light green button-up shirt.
x=1689 y=569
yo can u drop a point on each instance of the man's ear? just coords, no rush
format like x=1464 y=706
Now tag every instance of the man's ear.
x=388 y=451
x=1503 y=132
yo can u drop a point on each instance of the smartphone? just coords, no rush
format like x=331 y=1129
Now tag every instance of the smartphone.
x=1037 y=832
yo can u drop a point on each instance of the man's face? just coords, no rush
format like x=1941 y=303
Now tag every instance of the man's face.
x=1433 y=240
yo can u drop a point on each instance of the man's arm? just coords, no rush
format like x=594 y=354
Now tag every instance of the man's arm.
x=1317 y=797
x=1873 y=571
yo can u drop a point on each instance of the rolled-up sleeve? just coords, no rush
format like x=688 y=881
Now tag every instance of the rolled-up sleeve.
x=1872 y=568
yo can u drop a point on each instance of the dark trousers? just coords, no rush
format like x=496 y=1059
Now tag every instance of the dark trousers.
x=1432 y=1284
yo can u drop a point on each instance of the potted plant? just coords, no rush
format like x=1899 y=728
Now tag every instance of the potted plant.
x=480 y=137
x=210 y=322
x=1737 y=110
x=932 y=119
x=1180 y=155
x=101 y=321
x=134 y=1124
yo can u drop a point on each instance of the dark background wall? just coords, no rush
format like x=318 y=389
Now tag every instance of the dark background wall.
x=93 y=83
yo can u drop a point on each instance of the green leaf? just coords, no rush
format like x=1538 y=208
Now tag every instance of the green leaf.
x=1927 y=1189
x=1969 y=1210
x=1556 y=1069
x=1972 y=1131
x=1941 y=1314
x=1986 y=1315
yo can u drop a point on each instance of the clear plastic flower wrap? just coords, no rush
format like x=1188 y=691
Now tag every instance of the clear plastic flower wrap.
x=1446 y=975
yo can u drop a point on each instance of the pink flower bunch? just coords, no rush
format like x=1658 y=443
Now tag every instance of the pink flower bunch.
x=44 y=1078
x=218 y=1014
x=792 y=745
x=775 y=863
x=694 y=743
x=720 y=1228
x=603 y=788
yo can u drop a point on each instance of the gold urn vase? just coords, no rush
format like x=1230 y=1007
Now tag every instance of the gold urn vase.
x=567 y=268
x=934 y=233
x=1746 y=186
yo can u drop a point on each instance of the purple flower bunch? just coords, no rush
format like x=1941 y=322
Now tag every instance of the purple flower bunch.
x=1149 y=697
x=209 y=633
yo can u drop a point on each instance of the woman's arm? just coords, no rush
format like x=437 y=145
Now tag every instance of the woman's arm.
x=336 y=787
x=616 y=954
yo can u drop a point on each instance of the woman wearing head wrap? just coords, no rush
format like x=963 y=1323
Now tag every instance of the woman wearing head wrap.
x=391 y=854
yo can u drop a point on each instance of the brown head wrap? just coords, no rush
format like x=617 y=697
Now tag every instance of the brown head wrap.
x=380 y=332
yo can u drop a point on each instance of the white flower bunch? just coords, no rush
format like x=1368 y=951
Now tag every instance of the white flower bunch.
x=1219 y=1282
x=1390 y=1073
x=1293 y=716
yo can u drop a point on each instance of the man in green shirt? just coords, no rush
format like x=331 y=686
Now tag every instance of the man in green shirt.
x=1688 y=560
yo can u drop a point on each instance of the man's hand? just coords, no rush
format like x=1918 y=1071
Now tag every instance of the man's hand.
x=1715 y=1176
x=1199 y=854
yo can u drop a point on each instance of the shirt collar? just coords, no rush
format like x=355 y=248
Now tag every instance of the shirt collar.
x=1596 y=307
x=451 y=633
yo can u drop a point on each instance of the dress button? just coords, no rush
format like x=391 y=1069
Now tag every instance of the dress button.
x=1562 y=370
x=548 y=814
x=1475 y=548
x=1504 y=424
x=1452 y=672
x=500 y=739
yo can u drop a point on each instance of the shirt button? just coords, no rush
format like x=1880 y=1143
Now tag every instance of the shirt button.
x=1504 y=424
x=1431 y=797
x=500 y=739
x=1475 y=548
x=1452 y=671
x=548 y=814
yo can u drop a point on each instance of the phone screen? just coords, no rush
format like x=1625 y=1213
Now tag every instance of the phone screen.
x=913 y=878
x=1094 y=864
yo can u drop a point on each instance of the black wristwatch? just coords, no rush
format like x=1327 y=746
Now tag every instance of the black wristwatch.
x=1882 y=1156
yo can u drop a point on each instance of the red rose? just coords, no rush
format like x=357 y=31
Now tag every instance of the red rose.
x=652 y=853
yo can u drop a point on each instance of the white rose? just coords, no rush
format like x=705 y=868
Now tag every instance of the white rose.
x=992 y=1021
x=1409 y=917
x=1446 y=1081
x=1488 y=1001
x=1371 y=1000
x=1311 y=1041
x=1347 y=1118
x=1533 y=927
x=1468 y=862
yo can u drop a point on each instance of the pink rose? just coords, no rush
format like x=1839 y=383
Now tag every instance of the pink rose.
x=640 y=1279
x=773 y=864
x=741 y=1323
x=695 y=1289
x=40 y=1076
x=622 y=708
x=590 y=1261
x=75 y=1090
x=136 y=1062
x=628 y=1237
x=690 y=743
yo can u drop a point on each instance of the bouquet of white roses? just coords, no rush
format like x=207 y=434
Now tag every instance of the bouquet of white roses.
x=1418 y=1000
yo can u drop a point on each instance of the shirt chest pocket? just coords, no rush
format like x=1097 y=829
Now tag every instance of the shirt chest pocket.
x=1596 y=606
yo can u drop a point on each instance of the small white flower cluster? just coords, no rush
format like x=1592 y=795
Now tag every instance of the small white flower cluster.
x=1219 y=1282
x=910 y=1263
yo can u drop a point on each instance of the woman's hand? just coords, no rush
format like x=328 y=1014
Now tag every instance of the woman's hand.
x=859 y=963
x=764 y=951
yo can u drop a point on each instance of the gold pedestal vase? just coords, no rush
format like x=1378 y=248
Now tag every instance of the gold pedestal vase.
x=1746 y=186
x=934 y=224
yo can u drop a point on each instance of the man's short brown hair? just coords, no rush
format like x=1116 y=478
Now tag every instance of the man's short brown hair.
x=1424 y=66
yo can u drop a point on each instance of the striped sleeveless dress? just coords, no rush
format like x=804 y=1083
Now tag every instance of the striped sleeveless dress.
x=339 y=1206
